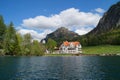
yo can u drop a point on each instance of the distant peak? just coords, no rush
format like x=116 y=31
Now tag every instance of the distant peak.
x=118 y=3
x=62 y=28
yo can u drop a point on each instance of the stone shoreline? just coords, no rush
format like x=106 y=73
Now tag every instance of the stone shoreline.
x=97 y=54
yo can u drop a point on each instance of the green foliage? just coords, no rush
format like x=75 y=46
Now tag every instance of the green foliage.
x=2 y=31
x=10 y=40
x=37 y=48
x=19 y=46
x=27 y=44
x=2 y=53
x=111 y=37
x=51 y=44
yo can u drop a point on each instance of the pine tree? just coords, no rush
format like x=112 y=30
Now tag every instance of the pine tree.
x=10 y=40
x=2 y=31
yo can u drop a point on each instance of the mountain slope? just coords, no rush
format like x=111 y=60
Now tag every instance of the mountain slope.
x=62 y=34
x=109 y=21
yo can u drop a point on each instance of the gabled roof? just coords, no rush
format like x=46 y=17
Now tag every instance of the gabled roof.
x=66 y=43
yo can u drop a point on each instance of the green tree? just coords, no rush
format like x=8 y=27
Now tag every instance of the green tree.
x=27 y=44
x=10 y=40
x=19 y=41
x=51 y=44
x=2 y=31
x=37 y=48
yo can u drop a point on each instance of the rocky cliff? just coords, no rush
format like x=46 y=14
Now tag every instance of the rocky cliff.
x=109 y=21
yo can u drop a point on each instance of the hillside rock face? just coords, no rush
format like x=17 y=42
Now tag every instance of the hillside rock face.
x=109 y=21
x=62 y=34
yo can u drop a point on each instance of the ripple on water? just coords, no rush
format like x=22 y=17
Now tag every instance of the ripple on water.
x=59 y=68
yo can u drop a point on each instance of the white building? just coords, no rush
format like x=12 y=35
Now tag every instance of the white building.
x=70 y=47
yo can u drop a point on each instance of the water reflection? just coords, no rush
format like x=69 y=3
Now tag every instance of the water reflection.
x=59 y=68
x=8 y=67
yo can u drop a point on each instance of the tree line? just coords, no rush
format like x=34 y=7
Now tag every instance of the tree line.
x=13 y=43
x=111 y=37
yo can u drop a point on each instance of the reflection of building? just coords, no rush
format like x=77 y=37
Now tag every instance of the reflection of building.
x=70 y=47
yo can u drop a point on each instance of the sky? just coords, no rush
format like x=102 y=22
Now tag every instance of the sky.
x=41 y=17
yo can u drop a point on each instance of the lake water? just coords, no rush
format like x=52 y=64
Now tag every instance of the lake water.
x=60 y=68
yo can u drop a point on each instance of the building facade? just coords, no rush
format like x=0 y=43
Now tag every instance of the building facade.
x=70 y=47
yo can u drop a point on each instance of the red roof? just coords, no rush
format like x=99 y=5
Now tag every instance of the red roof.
x=66 y=43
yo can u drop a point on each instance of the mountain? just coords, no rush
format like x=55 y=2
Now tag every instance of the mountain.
x=109 y=21
x=62 y=34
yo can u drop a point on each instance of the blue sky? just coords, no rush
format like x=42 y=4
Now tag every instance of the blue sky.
x=40 y=17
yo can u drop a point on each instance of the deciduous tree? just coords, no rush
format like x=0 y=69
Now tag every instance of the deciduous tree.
x=51 y=44
x=37 y=48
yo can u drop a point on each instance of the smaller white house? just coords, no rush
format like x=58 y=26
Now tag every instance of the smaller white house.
x=70 y=47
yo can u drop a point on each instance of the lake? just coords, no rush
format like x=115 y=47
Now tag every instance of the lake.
x=60 y=68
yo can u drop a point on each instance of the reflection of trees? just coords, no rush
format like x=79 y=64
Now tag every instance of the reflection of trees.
x=9 y=67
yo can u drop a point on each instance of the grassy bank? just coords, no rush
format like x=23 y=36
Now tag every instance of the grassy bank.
x=103 y=49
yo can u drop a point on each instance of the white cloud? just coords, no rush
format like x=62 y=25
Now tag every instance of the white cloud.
x=68 y=18
x=83 y=31
x=35 y=35
x=100 y=10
